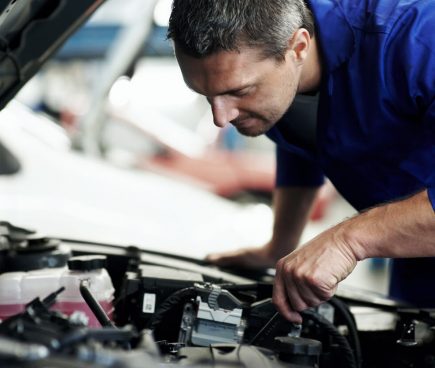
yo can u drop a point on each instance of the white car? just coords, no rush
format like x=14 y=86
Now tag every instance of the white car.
x=65 y=194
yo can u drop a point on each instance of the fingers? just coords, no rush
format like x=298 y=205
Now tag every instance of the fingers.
x=219 y=259
x=230 y=258
x=303 y=297
x=296 y=289
x=280 y=298
x=255 y=258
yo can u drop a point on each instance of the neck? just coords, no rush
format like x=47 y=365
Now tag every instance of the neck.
x=312 y=70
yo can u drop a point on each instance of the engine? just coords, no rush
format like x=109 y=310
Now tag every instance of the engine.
x=78 y=304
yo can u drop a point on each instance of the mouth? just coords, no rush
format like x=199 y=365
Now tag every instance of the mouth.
x=252 y=126
x=244 y=123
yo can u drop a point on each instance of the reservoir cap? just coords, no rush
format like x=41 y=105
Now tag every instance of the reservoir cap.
x=87 y=263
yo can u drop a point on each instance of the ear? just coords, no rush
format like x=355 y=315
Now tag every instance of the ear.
x=299 y=45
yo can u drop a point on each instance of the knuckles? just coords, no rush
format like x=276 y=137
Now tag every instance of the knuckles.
x=300 y=306
x=311 y=302
x=292 y=272
x=279 y=265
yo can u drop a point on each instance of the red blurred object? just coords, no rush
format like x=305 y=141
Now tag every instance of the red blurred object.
x=325 y=196
x=227 y=174
x=181 y=152
x=230 y=174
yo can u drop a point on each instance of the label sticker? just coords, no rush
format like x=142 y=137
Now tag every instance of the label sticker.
x=149 y=303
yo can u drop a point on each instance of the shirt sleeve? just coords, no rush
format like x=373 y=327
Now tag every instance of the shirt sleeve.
x=293 y=170
x=422 y=162
x=412 y=70
x=429 y=120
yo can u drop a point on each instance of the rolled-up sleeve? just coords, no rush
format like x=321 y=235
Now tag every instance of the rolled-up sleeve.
x=430 y=180
x=410 y=66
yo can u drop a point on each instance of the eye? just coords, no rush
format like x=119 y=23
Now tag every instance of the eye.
x=242 y=92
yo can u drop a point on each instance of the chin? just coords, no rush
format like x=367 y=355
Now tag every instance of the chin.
x=254 y=131
x=249 y=133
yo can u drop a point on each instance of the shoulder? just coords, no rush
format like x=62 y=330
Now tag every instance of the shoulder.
x=409 y=55
x=384 y=15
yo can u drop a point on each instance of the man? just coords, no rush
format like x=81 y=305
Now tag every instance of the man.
x=373 y=64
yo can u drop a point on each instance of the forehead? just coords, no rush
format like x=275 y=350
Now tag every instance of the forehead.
x=221 y=71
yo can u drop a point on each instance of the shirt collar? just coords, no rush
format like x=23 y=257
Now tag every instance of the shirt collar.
x=333 y=31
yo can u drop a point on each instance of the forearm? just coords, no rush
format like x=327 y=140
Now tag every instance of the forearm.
x=310 y=275
x=292 y=208
x=405 y=228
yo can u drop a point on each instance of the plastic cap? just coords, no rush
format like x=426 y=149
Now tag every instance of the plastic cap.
x=87 y=263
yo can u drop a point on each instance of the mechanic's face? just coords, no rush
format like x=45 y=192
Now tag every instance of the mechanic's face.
x=243 y=89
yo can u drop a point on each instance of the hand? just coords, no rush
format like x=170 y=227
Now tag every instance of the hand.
x=309 y=276
x=260 y=257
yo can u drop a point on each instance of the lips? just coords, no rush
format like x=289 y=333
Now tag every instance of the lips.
x=243 y=122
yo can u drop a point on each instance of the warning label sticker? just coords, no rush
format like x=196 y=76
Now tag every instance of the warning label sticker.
x=149 y=303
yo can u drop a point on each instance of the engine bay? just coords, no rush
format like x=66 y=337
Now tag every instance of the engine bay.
x=68 y=303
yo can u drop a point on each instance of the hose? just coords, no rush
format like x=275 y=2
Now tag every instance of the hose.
x=95 y=307
x=351 y=324
x=348 y=356
x=171 y=301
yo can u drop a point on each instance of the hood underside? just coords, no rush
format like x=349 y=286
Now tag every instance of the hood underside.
x=30 y=32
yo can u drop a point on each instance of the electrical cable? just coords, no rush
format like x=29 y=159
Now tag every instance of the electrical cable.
x=170 y=302
x=349 y=319
x=348 y=356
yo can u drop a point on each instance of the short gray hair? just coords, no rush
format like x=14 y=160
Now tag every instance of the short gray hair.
x=203 y=27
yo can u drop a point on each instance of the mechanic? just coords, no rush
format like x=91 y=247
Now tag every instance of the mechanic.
x=372 y=62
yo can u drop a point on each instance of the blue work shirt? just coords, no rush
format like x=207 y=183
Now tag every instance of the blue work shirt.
x=375 y=137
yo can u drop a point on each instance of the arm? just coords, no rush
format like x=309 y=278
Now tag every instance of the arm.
x=309 y=276
x=292 y=207
x=291 y=210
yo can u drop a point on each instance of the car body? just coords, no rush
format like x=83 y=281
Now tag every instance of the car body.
x=66 y=194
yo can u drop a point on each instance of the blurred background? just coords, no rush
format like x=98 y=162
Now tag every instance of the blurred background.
x=115 y=148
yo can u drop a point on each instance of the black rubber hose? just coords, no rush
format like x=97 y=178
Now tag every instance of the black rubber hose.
x=348 y=355
x=173 y=300
x=343 y=309
x=95 y=307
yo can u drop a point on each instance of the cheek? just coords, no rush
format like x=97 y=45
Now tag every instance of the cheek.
x=270 y=99
x=263 y=98
x=278 y=91
x=276 y=101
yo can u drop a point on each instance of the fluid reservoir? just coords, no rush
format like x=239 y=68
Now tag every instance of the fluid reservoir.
x=90 y=269
x=19 y=288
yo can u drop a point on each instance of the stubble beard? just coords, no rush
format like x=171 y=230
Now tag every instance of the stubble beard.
x=262 y=127
x=269 y=119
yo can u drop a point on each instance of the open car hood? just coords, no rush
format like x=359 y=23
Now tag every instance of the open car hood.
x=30 y=32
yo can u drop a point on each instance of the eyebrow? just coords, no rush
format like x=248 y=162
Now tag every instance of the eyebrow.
x=234 y=90
x=227 y=92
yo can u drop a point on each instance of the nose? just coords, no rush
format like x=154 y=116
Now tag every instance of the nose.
x=223 y=110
